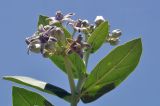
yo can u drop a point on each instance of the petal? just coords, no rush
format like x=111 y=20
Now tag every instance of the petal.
x=69 y=15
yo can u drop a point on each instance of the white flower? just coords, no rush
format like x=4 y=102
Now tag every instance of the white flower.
x=59 y=17
x=80 y=25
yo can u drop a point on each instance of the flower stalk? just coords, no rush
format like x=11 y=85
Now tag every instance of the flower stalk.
x=71 y=80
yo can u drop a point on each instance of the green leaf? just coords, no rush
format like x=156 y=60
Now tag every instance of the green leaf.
x=98 y=37
x=40 y=85
x=112 y=70
x=78 y=66
x=23 y=97
x=43 y=20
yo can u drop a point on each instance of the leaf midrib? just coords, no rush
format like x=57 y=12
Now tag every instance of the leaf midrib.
x=134 y=45
x=94 y=33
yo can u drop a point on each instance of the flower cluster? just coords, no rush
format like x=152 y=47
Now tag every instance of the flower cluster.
x=43 y=41
x=51 y=39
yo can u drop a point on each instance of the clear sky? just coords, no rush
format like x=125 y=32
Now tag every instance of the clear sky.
x=136 y=18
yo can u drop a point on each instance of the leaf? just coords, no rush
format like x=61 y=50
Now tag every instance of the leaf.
x=112 y=70
x=98 y=37
x=23 y=97
x=58 y=60
x=43 y=20
x=40 y=85
x=78 y=66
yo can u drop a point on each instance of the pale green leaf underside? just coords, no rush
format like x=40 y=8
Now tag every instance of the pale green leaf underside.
x=112 y=70
x=98 y=37
x=40 y=85
x=23 y=97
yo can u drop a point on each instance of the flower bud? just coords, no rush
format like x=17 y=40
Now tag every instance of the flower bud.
x=113 y=41
x=85 y=23
x=41 y=28
x=47 y=27
x=116 y=33
x=99 y=20
x=59 y=34
x=35 y=46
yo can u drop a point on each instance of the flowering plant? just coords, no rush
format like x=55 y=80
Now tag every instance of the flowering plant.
x=70 y=53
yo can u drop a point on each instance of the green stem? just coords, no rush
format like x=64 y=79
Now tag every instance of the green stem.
x=86 y=56
x=71 y=81
x=79 y=84
x=82 y=77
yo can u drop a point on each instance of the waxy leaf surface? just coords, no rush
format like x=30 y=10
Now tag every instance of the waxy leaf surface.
x=98 y=37
x=112 y=70
x=40 y=85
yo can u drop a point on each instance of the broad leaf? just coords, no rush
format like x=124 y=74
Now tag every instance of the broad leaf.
x=23 y=97
x=78 y=66
x=112 y=70
x=40 y=85
x=44 y=20
x=98 y=37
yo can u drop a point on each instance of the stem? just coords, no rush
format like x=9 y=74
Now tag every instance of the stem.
x=82 y=77
x=79 y=84
x=71 y=81
x=76 y=89
x=86 y=56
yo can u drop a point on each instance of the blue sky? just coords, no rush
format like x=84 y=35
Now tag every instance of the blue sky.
x=136 y=18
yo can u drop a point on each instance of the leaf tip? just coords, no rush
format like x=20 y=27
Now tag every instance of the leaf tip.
x=5 y=77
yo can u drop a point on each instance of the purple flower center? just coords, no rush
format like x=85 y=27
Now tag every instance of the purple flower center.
x=59 y=16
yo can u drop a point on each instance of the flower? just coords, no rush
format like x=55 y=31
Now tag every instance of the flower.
x=59 y=17
x=98 y=20
x=79 y=25
x=77 y=46
x=42 y=41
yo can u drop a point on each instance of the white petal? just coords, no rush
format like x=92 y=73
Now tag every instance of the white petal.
x=99 y=18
